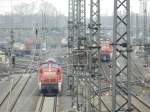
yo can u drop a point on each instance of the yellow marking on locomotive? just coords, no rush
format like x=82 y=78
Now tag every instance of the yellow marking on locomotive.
x=50 y=74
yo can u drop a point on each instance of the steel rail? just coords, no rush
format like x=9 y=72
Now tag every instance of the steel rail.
x=40 y=104
x=55 y=105
x=136 y=98
x=18 y=96
x=1 y=103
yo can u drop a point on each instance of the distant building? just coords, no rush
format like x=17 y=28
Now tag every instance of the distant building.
x=3 y=57
x=4 y=52
x=3 y=45
x=19 y=46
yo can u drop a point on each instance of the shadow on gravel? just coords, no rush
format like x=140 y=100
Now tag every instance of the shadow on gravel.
x=3 y=68
x=37 y=93
x=50 y=95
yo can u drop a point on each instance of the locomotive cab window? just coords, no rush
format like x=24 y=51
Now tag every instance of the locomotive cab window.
x=54 y=65
x=45 y=66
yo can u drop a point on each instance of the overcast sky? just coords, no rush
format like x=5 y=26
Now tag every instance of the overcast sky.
x=62 y=5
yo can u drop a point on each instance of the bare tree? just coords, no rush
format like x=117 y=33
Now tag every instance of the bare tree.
x=48 y=8
x=25 y=9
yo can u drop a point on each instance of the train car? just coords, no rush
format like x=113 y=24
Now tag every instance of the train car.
x=106 y=51
x=50 y=78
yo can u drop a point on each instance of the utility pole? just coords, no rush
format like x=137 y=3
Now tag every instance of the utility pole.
x=121 y=51
x=44 y=41
x=12 y=54
x=145 y=36
x=11 y=46
x=137 y=27
x=145 y=20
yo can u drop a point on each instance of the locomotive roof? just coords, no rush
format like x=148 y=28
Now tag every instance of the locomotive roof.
x=49 y=61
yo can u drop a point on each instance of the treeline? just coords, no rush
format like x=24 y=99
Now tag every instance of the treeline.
x=27 y=17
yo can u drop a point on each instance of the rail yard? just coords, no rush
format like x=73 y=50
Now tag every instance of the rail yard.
x=93 y=56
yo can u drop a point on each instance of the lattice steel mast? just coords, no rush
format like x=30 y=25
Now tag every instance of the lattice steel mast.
x=71 y=24
x=145 y=34
x=81 y=31
x=77 y=38
x=94 y=68
x=94 y=19
x=145 y=20
x=71 y=45
x=137 y=27
x=80 y=52
x=121 y=77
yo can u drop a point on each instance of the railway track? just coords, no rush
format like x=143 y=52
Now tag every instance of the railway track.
x=25 y=66
x=55 y=105
x=46 y=104
x=7 y=94
x=40 y=104
x=138 y=104
x=18 y=96
x=12 y=96
x=3 y=75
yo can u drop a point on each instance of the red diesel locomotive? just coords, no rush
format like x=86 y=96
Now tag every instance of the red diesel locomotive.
x=106 y=51
x=50 y=78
